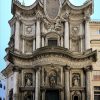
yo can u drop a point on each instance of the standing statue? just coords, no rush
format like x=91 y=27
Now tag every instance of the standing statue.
x=76 y=80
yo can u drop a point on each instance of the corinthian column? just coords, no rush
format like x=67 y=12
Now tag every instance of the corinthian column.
x=66 y=36
x=17 y=35
x=15 y=84
x=87 y=35
x=37 y=86
x=89 y=94
x=38 y=33
x=67 y=82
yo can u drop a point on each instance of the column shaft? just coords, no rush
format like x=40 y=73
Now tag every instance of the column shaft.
x=43 y=95
x=17 y=35
x=87 y=35
x=89 y=86
x=67 y=85
x=37 y=88
x=62 y=41
x=37 y=34
x=66 y=37
x=42 y=41
x=15 y=89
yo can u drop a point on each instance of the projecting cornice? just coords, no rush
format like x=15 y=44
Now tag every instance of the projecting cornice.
x=53 y=51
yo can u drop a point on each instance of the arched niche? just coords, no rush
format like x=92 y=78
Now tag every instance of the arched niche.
x=76 y=95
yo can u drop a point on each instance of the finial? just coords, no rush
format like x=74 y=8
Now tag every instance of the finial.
x=23 y=3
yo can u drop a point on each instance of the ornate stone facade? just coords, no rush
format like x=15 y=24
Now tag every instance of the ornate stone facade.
x=49 y=51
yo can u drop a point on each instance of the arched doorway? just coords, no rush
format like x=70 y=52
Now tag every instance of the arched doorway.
x=76 y=98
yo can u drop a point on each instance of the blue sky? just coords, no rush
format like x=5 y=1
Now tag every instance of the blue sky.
x=5 y=16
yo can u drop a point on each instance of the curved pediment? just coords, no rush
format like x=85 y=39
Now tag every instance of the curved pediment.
x=16 y=3
x=87 y=3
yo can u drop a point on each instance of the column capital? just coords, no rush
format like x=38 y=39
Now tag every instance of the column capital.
x=88 y=68
x=16 y=69
x=66 y=68
x=38 y=16
x=37 y=68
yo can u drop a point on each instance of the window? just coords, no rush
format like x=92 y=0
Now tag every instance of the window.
x=97 y=93
x=98 y=31
x=52 y=42
x=4 y=87
x=96 y=76
x=0 y=85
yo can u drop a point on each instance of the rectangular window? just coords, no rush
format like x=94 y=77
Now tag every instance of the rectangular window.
x=52 y=42
x=97 y=93
x=96 y=76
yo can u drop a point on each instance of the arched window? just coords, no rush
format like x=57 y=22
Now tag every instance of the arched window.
x=0 y=85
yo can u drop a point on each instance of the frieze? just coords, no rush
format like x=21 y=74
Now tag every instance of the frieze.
x=47 y=55
x=55 y=60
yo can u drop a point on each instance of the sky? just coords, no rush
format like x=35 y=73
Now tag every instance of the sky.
x=5 y=16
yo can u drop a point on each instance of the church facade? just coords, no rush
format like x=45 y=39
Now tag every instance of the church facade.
x=53 y=53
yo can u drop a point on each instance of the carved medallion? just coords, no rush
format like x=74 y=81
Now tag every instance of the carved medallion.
x=52 y=8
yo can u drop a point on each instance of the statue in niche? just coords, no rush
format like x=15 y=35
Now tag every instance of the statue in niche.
x=53 y=78
x=28 y=79
x=76 y=80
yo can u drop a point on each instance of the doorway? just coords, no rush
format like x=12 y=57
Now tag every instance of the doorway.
x=52 y=95
x=76 y=98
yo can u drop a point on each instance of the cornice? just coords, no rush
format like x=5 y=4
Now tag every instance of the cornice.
x=95 y=22
x=55 y=51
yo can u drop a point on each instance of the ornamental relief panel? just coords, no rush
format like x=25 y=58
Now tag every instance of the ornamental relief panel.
x=56 y=26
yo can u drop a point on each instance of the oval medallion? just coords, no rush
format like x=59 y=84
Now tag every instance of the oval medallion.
x=52 y=8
